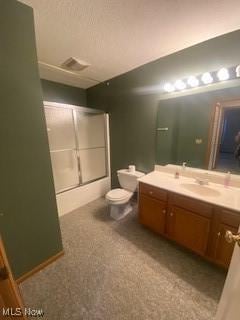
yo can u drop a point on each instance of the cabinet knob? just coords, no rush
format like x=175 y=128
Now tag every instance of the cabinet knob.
x=218 y=234
x=150 y=192
x=171 y=214
x=164 y=211
x=230 y=237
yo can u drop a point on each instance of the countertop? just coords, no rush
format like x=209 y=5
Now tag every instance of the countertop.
x=213 y=193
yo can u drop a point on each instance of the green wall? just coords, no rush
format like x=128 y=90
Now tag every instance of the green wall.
x=133 y=99
x=29 y=221
x=57 y=92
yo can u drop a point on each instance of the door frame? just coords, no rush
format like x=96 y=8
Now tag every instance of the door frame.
x=11 y=294
x=216 y=127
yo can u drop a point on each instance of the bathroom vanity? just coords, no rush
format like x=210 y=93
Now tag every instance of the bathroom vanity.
x=196 y=217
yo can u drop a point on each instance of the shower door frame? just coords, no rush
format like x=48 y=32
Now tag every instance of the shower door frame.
x=84 y=110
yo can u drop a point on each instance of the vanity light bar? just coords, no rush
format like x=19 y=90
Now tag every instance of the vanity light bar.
x=204 y=79
x=207 y=78
x=223 y=74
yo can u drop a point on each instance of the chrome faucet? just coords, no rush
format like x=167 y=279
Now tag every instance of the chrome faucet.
x=184 y=165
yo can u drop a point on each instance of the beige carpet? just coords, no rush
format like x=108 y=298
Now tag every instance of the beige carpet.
x=120 y=270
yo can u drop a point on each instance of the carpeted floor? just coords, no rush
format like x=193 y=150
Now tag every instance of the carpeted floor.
x=119 y=271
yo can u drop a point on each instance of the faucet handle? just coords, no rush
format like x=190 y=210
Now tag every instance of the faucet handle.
x=184 y=164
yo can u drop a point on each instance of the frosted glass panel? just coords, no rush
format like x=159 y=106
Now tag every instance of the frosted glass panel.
x=60 y=127
x=65 y=169
x=77 y=141
x=93 y=164
x=91 y=130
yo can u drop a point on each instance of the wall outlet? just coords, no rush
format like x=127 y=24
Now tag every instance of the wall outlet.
x=198 y=141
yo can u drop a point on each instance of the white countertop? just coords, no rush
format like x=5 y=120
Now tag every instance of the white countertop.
x=212 y=193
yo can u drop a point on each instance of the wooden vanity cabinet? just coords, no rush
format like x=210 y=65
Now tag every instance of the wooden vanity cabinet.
x=194 y=224
x=220 y=250
x=153 y=213
x=152 y=208
x=189 y=223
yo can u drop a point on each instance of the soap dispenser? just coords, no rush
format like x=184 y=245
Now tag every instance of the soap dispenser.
x=227 y=179
x=176 y=175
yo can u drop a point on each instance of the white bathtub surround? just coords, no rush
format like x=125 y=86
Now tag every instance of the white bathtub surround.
x=78 y=197
x=212 y=176
x=214 y=193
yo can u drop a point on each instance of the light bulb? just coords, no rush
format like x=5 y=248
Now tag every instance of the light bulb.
x=180 y=85
x=238 y=71
x=169 y=87
x=223 y=74
x=193 y=81
x=207 y=78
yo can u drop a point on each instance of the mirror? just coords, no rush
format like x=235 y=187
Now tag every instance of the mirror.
x=199 y=131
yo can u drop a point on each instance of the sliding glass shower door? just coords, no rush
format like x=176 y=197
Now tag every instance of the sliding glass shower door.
x=92 y=146
x=78 y=148
x=63 y=149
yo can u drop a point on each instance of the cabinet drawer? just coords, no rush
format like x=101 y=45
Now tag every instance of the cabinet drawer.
x=228 y=217
x=153 y=192
x=192 y=205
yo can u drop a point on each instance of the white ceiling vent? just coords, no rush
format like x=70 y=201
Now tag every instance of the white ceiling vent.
x=75 y=64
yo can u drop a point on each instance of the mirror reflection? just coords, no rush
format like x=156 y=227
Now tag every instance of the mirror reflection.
x=201 y=133
x=228 y=155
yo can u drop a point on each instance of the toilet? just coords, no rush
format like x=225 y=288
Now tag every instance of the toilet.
x=119 y=199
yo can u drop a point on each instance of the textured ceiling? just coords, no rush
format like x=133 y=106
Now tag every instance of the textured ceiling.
x=116 y=36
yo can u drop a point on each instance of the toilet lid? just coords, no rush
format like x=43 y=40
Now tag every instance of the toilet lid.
x=118 y=194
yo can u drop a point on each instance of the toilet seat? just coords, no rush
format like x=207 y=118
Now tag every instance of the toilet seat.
x=119 y=195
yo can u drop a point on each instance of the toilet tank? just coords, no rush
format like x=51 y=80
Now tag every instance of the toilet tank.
x=128 y=180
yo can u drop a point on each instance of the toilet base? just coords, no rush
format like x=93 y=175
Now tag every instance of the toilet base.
x=118 y=212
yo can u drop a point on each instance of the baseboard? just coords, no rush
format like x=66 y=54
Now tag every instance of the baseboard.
x=39 y=267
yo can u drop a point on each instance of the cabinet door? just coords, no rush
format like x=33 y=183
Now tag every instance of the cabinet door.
x=152 y=213
x=189 y=229
x=224 y=250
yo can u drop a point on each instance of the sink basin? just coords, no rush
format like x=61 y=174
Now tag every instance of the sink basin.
x=201 y=190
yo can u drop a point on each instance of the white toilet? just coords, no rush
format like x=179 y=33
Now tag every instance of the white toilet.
x=119 y=199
